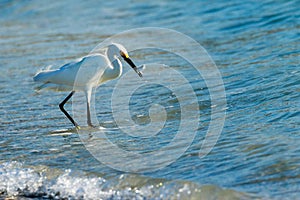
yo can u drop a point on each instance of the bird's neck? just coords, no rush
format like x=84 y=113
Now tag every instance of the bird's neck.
x=116 y=68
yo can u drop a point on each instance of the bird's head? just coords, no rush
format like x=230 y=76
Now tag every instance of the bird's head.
x=119 y=50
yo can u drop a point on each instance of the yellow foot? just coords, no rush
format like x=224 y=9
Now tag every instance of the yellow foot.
x=77 y=127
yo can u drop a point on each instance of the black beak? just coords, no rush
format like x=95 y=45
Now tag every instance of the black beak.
x=129 y=61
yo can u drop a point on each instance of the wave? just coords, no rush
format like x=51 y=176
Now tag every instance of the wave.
x=19 y=181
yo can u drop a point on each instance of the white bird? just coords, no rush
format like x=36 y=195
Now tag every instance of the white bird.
x=86 y=74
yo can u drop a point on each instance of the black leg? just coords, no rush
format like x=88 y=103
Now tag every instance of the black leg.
x=61 y=106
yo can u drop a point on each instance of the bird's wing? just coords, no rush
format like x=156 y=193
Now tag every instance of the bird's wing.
x=91 y=70
x=81 y=73
x=64 y=75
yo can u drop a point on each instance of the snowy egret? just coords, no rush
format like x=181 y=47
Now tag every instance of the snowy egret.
x=95 y=70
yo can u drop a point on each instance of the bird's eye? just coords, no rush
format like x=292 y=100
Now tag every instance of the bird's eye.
x=124 y=55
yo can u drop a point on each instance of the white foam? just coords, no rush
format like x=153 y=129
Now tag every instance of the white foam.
x=16 y=180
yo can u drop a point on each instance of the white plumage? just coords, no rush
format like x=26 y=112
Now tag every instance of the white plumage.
x=85 y=74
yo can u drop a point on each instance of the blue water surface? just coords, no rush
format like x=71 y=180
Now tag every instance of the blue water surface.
x=255 y=45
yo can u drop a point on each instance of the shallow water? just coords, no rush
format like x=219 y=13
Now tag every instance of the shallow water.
x=256 y=48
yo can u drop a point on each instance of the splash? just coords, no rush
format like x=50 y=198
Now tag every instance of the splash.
x=18 y=181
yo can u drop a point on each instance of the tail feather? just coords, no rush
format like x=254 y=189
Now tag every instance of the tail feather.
x=43 y=76
x=38 y=88
x=52 y=86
